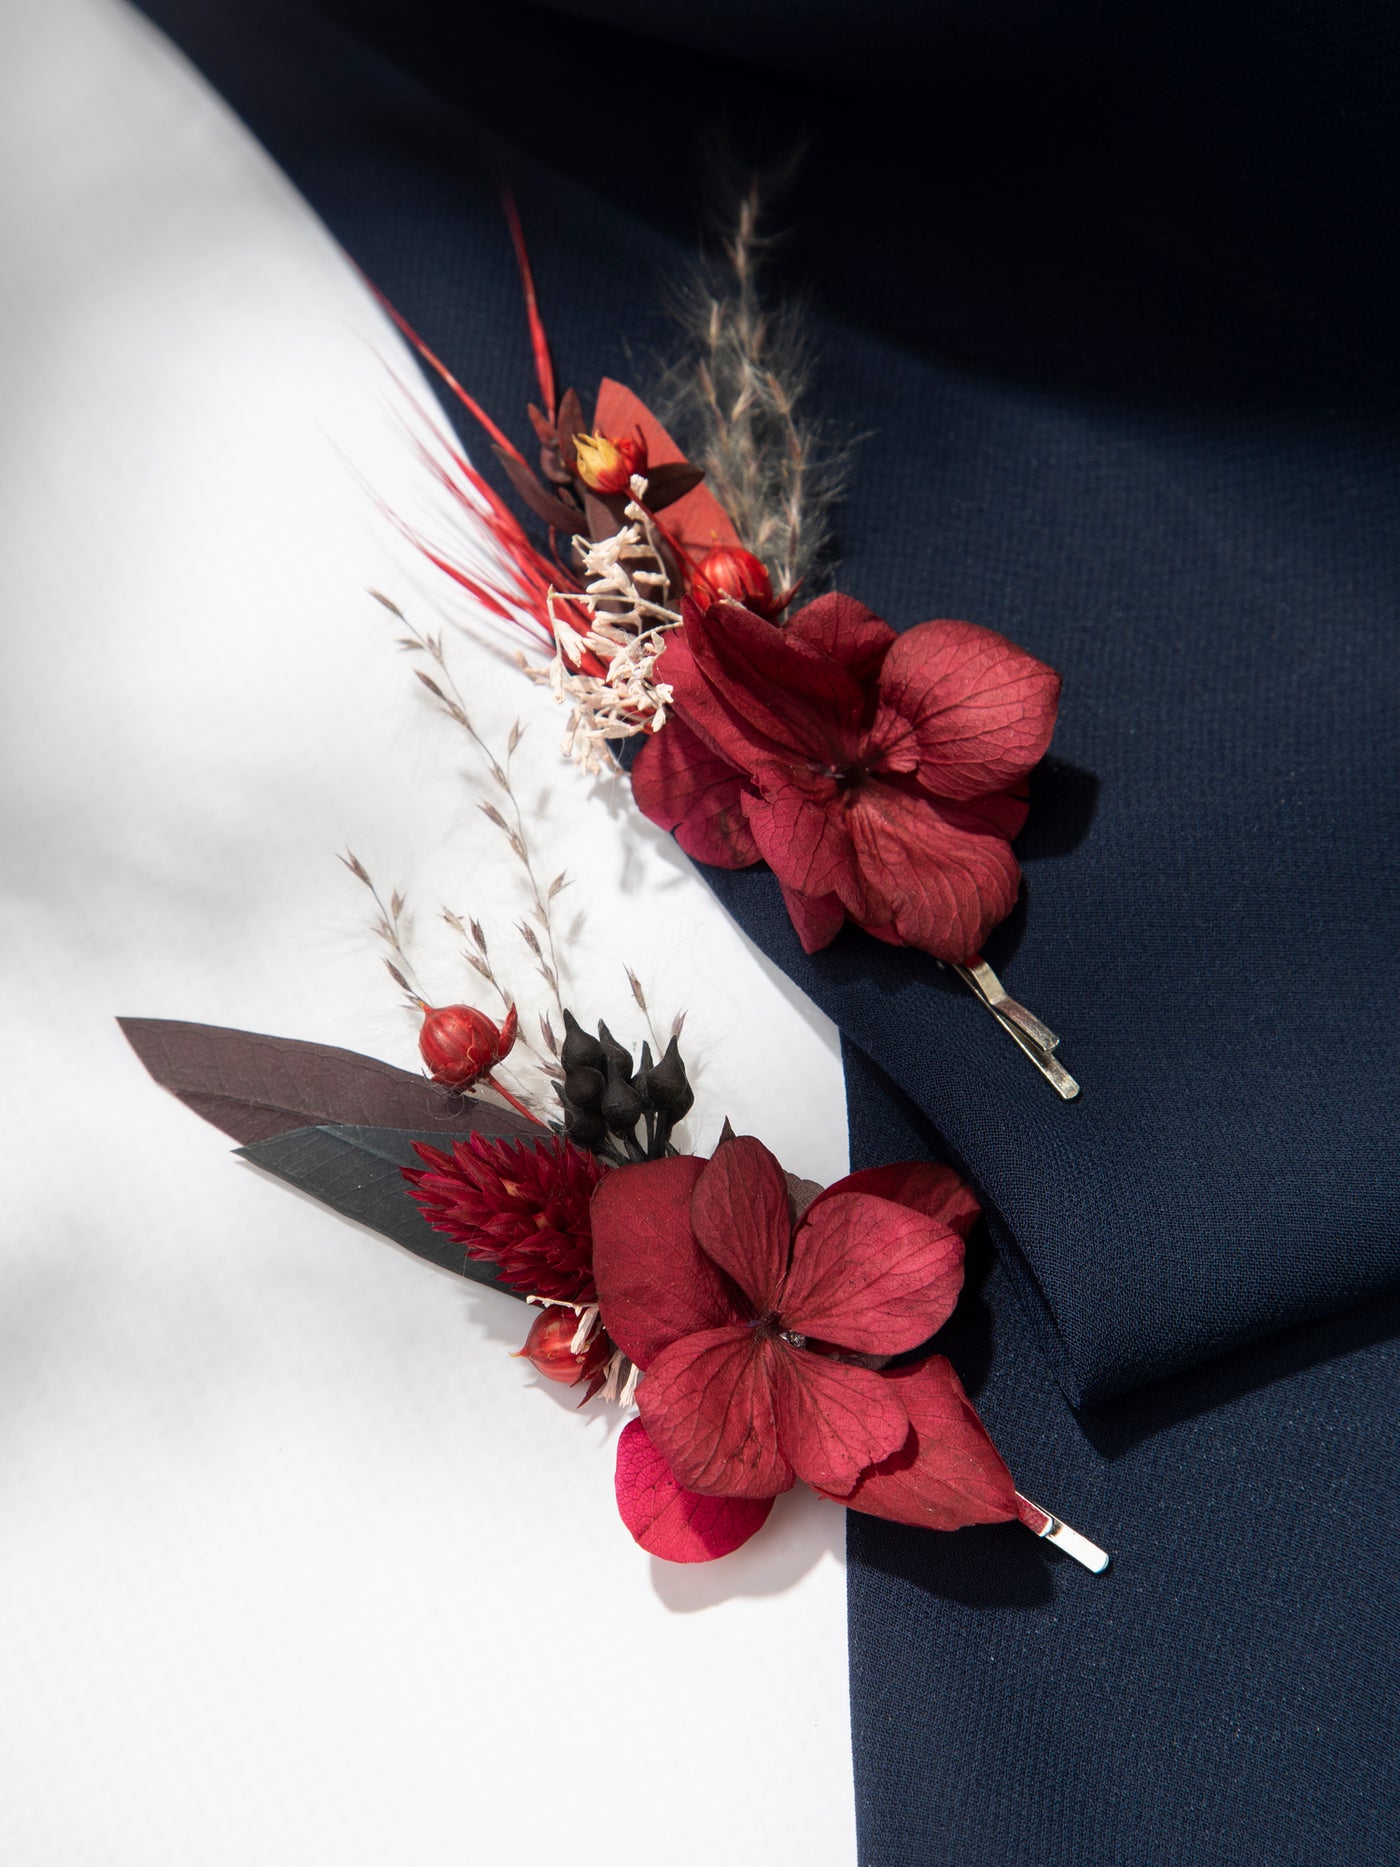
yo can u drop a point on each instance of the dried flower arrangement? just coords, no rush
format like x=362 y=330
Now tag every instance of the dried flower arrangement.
x=881 y=777
x=766 y=1330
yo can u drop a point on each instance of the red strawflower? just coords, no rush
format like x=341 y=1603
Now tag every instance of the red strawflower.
x=757 y=1336
x=520 y=1205
x=880 y=776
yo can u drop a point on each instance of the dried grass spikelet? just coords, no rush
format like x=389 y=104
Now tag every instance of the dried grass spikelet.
x=736 y=403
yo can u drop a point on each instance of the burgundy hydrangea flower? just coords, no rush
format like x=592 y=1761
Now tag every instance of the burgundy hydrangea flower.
x=522 y=1206
x=880 y=776
x=761 y=1337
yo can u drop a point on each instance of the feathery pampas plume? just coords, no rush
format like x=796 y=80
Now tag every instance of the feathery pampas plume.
x=735 y=402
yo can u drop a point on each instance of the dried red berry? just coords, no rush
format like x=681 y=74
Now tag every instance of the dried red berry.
x=549 y=1348
x=461 y=1045
x=605 y=463
x=731 y=571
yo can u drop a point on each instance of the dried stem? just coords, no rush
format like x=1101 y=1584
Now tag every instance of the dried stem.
x=640 y=996
x=738 y=405
x=389 y=928
x=511 y=823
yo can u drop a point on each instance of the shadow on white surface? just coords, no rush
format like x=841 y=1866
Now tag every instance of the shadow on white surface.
x=800 y=1532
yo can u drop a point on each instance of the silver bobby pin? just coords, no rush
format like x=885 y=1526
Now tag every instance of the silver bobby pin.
x=1036 y=1039
x=1052 y=1530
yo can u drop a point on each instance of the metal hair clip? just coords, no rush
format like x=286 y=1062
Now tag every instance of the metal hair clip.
x=1052 y=1530
x=1036 y=1039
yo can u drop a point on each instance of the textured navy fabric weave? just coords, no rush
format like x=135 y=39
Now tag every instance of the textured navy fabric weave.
x=1111 y=301
x=1225 y=1696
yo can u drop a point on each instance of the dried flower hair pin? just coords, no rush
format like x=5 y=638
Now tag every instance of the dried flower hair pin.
x=766 y=1331
x=881 y=776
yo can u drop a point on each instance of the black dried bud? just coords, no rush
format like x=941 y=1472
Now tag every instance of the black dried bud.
x=639 y=1081
x=668 y=1088
x=622 y=1106
x=619 y=1059
x=580 y=1051
x=583 y=1087
x=585 y=1127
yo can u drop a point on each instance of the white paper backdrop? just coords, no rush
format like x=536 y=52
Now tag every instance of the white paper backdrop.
x=295 y=1564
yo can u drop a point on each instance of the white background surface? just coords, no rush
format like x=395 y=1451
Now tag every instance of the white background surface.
x=296 y=1566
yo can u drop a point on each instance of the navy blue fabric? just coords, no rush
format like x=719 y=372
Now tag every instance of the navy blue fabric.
x=1112 y=306
x=1225 y=1696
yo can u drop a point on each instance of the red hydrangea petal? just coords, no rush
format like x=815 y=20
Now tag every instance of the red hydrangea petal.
x=654 y=1283
x=788 y=692
x=669 y=1521
x=708 y=1403
x=1000 y=813
x=981 y=708
x=871 y=1276
x=948 y=1473
x=800 y=826
x=686 y=787
x=817 y=918
x=934 y=1190
x=835 y=1420
x=938 y=874
x=741 y=1218
x=847 y=631
x=708 y=713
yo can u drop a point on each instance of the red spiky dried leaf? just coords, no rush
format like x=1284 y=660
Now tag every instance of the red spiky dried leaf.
x=539 y=342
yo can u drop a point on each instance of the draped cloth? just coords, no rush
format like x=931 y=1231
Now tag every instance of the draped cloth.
x=1109 y=303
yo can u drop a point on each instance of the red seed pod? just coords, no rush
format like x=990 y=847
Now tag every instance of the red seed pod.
x=731 y=571
x=605 y=462
x=548 y=1348
x=461 y=1045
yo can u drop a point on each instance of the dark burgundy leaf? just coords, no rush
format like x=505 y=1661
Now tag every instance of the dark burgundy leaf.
x=544 y=504
x=358 y=1172
x=604 y=513
x=801 y=1193
x=571 y=422
x=253 y=1087
x=668 y=483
